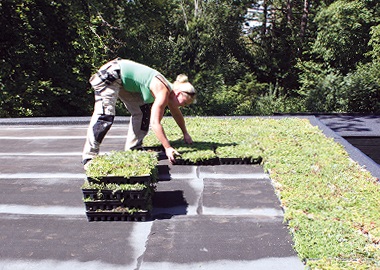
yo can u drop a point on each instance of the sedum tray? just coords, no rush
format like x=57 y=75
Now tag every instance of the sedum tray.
x=220 y=161
x=143 y=179
x=118 y=216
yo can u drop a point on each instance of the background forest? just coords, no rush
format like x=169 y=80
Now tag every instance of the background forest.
x=243 y=57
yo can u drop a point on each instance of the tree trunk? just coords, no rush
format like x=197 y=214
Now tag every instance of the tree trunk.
x=196 y=8
x=304 y=19
x=184 y=16
x=289 y=11
x=265 y=18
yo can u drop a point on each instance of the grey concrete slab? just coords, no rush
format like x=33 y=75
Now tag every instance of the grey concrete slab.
x=56 y=166
x=177 y=197
x=46 y=121
x=32 y=131
x=185 y=171
x=283 y=263
x=62 y=146
x=177 y=171
x=361 y=131
x=55 y=140
x=45 y=238
x=240 y=197
x=41 y=192
x=231 y=169
x=55 y=121
x=186 y=240
x=39 y=146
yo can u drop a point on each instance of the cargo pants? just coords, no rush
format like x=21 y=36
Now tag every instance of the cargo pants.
x=108 y=88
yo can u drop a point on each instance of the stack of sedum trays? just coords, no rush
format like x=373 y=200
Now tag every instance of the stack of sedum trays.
x=120 y=186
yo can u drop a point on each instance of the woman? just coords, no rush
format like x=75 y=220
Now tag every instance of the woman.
x=145 y=92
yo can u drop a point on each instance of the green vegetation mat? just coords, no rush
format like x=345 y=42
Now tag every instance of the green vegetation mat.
x=123 y=163
x=331 y=203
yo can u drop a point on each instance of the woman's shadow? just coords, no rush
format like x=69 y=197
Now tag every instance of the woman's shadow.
x=167 y=204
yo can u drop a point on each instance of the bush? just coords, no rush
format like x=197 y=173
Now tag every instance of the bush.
x=322 y=88
x=362 y=89
x=272 y=102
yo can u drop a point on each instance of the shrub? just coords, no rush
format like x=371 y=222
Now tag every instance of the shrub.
x=362 y=89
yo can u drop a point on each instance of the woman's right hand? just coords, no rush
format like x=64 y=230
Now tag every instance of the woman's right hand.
x=171 y=153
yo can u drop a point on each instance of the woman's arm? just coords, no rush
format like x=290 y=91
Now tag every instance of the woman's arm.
x=178 y=117
x=161 y=95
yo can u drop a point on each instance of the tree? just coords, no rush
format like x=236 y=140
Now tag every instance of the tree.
x=310 y=52
x=343 y=34
x=40 y=51
x=207 y=46
x=50 y=49
x=362 y=86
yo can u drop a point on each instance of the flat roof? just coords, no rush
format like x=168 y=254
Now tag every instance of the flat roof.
x=210 y=217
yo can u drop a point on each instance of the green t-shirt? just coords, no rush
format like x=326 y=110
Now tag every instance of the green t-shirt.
x=137 y=78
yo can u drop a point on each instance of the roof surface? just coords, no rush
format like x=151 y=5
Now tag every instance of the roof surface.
x=216 y=217
x=347 y=125
x=204 y=217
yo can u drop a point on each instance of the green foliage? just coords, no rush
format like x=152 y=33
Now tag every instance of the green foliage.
x=328 y=198
x=362 y=88
x=49 y=49
x=121 y=209
x=39 y=60
x=273 y=102
x=343 y=34
x=114 y=187
x=208 y=84
x=375 y=43
x=244 y=94
x=122 y=163
x=212 y=138
x=322 y=88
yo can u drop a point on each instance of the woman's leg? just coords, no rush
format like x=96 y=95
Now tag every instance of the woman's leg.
x=139 y=121
x=106 y=94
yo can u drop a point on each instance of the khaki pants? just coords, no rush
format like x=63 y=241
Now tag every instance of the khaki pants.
x=108 y=88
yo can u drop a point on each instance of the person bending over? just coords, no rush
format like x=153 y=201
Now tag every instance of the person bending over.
x=146 y=93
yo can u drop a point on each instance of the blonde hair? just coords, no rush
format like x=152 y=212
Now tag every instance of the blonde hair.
x=182 y=78
x=182 y=84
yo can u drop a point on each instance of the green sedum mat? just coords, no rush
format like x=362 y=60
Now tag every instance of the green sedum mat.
x=331 y=204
